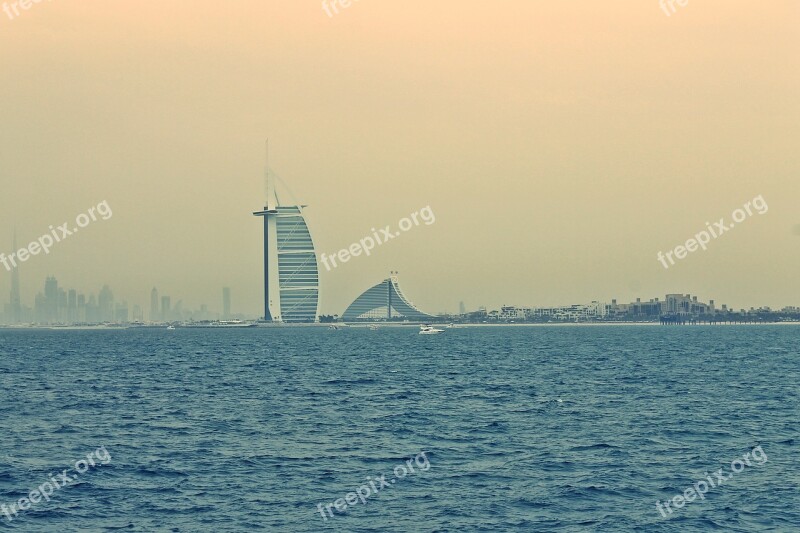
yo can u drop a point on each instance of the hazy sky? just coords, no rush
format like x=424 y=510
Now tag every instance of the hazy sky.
x=561 y=145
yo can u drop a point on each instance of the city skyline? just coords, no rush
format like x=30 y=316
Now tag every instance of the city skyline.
x=559 y=161
x=57 y=305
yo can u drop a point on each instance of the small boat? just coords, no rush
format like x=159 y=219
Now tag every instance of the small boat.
x=170 y=327
x=333 y=327
x=373 y=327
x=427 y=329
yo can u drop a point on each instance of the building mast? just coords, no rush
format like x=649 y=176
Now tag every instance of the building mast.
x=270 y=205
x=16 y=299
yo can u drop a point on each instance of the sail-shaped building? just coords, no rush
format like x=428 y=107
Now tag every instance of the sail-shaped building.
x=291 y=274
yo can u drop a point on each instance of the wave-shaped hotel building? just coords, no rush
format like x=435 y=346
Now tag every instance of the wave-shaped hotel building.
x=384 y=301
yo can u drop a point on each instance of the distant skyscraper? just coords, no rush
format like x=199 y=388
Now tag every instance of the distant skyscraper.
x=16 y=300
x=154 y=316
x=462 y=310
x=106 y=303
x=51 y=300
x=62 y=306
x=81 y=308
x=72 y=306
x=291 y=276
x=226 y=302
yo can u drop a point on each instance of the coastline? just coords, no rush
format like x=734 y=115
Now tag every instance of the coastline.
x=401 y=325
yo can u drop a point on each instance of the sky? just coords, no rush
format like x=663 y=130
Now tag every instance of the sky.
x=560 y=145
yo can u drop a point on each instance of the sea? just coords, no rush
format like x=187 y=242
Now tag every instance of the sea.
x=542 y=429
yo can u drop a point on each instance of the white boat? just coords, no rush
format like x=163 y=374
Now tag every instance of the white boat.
x=170 y=327
x=429 y=330
x=373 y=327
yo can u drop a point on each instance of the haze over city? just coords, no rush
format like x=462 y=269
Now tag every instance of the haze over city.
x=560 y=148
x=407 y=266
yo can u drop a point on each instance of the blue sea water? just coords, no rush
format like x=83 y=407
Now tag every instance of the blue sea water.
x=523 y=428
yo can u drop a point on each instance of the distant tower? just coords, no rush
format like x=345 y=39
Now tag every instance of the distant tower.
x=291 y=276
x=154 y=305
x=72 y=306
x=106 y=301
x=462 y=309
x=62 y=306
x=51 y=300
x=226 y=303
x=16 y=300
x=81 y=308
